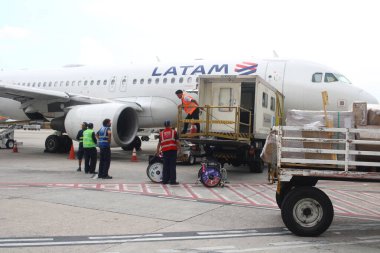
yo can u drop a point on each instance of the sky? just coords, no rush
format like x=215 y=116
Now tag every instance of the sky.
x=343 y=34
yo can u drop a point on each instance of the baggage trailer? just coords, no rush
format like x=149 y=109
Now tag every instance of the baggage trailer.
x=236 y=115
x=302 y=156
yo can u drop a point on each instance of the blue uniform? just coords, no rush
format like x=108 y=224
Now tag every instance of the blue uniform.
x=105 y=152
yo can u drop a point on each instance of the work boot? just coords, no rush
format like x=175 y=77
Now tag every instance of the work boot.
x=79 y=169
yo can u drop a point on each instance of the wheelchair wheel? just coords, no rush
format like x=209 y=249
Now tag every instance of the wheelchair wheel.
x=154 y=172
x=210 y=176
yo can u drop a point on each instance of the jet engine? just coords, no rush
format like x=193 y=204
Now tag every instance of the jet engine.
x=124 y=120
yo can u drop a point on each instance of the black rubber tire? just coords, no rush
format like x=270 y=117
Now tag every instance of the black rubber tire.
x=310 y=203
x=256 y=166
x=52 y=144
x=10 y=144
x=157 y=172
x=191 y=160
x=136 y=143
x=66 y=143
x=285 y=189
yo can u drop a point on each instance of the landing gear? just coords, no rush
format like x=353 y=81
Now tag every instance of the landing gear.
x=58 y=144
x=136 y=143
x=10 y=144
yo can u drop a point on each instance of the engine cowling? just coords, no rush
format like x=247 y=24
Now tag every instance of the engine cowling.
x=123 y=117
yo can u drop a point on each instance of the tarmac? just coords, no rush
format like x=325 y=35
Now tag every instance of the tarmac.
x=46 y=206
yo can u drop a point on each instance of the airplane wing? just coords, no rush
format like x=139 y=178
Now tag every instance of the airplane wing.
x=29 y=95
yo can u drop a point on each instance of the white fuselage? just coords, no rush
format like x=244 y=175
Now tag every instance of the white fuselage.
x=301 y=83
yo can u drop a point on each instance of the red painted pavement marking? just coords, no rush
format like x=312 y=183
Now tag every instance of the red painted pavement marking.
x=372 y=195
x=355 y=197
x=190 y=191
x=265 y=196
x=353 y=205
x=247 y=199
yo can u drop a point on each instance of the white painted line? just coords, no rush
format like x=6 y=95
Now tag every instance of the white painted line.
x=122 y=236
x=289 y=243
x=27 y=240
x=226 y=232
x=369 y=237
x=215 y=248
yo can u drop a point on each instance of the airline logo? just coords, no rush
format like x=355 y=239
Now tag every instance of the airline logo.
x=246 y=68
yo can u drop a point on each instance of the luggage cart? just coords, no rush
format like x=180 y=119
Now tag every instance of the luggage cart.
x=314 y=154
x=7 y=137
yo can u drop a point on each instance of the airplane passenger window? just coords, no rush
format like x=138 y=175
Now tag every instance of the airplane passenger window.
x=39 y=84
x=67 y=83
x=85 y=83
x=149 y=80
x=113 y=81
x=172 y=80
x=23 y=84
x=265 y=100
x=181 y=80
x=157 y=80
x=44 y=84
x=61 y=83
x=55 y=83
x=79 y=83
x=72 y=83
x=329 y=77
x=317 y=77
x=98 y=82
x=189 y=80
x=28 y=84
x=34 y=84
x=141 y=81
x=165 y=80
x=105 y=82
x=92 y=82
x=272 y=103
x=134 y=81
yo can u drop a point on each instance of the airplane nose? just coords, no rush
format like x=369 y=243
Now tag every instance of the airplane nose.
x=369 y=98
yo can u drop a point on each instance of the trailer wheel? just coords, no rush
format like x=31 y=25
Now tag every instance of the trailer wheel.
x=256 y=166
x=10 y=144
x=285 y=187
x=154 y=172
x=307 y=211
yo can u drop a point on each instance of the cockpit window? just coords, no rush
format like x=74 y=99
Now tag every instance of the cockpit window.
x=317 y=77
x=342 y=78
x=330 y=77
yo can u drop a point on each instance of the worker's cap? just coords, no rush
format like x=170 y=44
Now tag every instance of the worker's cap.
x=90 y=125
x=179 y=92
x=167 y=123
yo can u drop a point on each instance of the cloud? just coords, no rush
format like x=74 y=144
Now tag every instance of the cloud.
x=12 y=32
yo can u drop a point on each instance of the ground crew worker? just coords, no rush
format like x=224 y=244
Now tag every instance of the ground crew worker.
x=89 y=146
x=190 y=106
x=104 y=143
x=169 y=145
x=80 y=151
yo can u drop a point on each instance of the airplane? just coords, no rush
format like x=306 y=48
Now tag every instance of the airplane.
x=143 y=96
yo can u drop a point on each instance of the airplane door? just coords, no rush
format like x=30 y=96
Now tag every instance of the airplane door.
x=225 y=94
x=112 y=85
x=123 y=84
x=275 y=74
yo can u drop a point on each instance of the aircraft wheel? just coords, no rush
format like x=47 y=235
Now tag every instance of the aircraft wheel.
x=52 y=144
x=307 y=211
x=136 y=143
x=10 y=144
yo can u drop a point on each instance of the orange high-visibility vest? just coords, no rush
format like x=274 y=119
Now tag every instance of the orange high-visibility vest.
x=189 y=107
x=168 y=141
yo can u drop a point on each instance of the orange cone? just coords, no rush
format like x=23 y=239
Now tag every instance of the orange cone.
x=15 y=149
x=72 y=153
x=134 y=156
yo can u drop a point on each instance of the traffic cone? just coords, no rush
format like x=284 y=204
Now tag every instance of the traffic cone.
x=134 y=156
x=15 y=149
x=72 y=153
